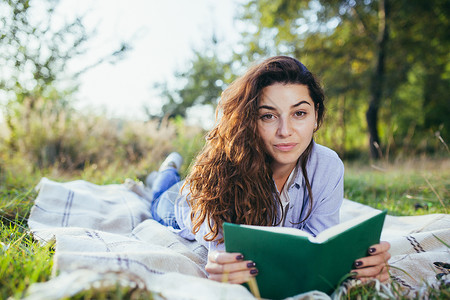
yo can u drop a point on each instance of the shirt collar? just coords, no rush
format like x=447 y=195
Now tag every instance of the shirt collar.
x=298 y=181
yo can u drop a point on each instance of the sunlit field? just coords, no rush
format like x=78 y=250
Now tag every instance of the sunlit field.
x=413 y=186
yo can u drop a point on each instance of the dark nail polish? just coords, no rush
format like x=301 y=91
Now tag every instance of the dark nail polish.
x=254 y=271
x=240 y=257
x=251 y=265
x=353 y=274
x=358 y=263
x=372 y=250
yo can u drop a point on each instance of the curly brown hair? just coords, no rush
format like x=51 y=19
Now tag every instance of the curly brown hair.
x=231 y=179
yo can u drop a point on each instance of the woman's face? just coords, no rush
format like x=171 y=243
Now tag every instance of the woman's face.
x=286 y=122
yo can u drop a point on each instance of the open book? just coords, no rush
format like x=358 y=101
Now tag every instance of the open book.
x=291 y=261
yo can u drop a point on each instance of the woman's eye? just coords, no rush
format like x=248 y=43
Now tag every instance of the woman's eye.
x=300 y=113
x=267 y=117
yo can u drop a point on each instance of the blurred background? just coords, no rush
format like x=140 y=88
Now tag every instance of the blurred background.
x=90 y=84
x=103 y=90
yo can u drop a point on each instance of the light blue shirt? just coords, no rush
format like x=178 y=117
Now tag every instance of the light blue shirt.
x=326 y=176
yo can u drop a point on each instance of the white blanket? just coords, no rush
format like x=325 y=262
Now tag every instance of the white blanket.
x=105 y=234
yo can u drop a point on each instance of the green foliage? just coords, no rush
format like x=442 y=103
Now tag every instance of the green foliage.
x=22 y=261
x=200 y=84
x=84 y=142
x=35 y=50
x=36 y=47
x=340 y=41
x=337 y=40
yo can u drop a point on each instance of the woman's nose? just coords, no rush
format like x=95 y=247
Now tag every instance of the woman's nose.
x=284 y=127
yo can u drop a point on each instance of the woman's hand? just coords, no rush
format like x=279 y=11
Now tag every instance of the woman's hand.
x=374 y=265
x=229 y=267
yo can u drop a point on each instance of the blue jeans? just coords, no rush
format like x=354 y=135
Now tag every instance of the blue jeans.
x=165 y=190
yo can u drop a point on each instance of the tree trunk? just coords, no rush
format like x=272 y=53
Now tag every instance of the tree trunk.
x=376 y=86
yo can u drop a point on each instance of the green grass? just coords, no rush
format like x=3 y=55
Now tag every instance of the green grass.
x=22 y=262
x=372 y=291
x=412 y=187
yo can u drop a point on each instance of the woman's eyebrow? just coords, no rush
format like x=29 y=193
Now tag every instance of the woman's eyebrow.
x=295 y=105
x=301 y=102
x=267 y=107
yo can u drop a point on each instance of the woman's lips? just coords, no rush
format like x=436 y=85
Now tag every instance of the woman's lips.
x=285 y=146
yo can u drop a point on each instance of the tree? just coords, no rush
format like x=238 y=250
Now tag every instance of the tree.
x=422 y=31
x=200 y=84
x=34 y=53
x=383 y=63
x=366 y=52
x=378 y=77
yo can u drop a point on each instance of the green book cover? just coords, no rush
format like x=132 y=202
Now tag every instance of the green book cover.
x=291 y=261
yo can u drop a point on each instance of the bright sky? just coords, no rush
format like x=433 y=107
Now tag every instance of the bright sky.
x=162 y=34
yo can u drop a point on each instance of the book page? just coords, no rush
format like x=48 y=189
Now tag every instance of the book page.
x=284 y=230
x=335 y=230
x=324 y=235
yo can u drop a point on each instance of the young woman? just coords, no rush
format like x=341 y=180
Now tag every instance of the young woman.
x=261 y=166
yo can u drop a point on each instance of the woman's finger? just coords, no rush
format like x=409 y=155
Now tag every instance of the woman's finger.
x=383 y=246
x=383 y=277
x=215 y=268
x=377 y=272
x=368 y=261
x=372 y=271
x=235 y=277
x=375 y=265
x=221 y=257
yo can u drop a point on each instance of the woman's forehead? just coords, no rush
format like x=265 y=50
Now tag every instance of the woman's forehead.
x=285 y=95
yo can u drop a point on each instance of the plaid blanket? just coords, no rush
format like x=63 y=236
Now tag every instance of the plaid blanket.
x=105 y=235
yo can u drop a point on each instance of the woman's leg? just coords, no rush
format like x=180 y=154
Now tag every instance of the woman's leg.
x=165 y=189
x=163 y=210
x=163 y=181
